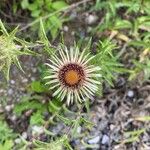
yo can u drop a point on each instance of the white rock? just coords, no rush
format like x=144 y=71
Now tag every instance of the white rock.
x=13 y=118
x=12 y=106
x=12 y=81
x=24 y=80
x=18 y=140
x=24 y=135
x=105 y=139
x=37 y=129
x=72 y=33
x=79 y=129
x=33 y=78
x=130 y=93
x=90 y=19
x=66 y=28
x=95 y=140
x=10 y=92
x=112 y=127
x=34 y=70
x=8 y=108
x=1 y=90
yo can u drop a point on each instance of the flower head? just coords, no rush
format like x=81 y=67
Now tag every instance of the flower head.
x=72 y=76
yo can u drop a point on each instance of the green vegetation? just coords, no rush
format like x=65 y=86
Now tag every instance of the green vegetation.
x=120 y=46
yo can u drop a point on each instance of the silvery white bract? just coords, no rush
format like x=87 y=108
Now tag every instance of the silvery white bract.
x=72 y=76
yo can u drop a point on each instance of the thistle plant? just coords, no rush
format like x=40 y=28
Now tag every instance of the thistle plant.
x=72 y=76
x=10 y=49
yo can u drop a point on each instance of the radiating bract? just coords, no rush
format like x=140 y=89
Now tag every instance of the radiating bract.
x=72 y=76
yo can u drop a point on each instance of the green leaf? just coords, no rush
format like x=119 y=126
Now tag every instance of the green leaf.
x=59 y=5
x=3 y=29
x=10 y=50
x=58 y=144
x=7 y=145
x=24 y=4
x=12 y=34
x=122 y=24
x=55 y=105
x=15 y=7
x=140 y=44
x=37 y=86
x=133 y=136
x=65 y=120
x=36 y=13
x=53 y=24
x=143 y=118
x=44 y=39
x=107 y=61
x=33 y=7
x=37 y=118
x=27 y=104
x=5 y=132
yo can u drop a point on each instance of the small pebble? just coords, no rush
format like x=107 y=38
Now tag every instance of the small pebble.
x=12 y=106
x=112 y=127
x=1 y=91
x=57 y=129
x=10 y=92
x=76 y=142
x=105 y=139
x=13 y=118
x=12 y=81
x=33 y=79
x=79 y=129
x=130 y=93
x=73 y=15
x=18 y=140
x=24 y=135
x=72 y=33
x=37 y=129
x=24 y=80
x=66 y=28
x=8 y=108
x=95 y=140
x=90 y=19
x=34 y=70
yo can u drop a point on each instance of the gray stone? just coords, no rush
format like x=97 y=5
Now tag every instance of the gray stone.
x=18 y=140
x=8 y=108
x=90 y=19
x=94 y=140
x=24 y=80
x=105 y=139
x=79 y=129
x=37 y=130
x=24 y=135
x=12 y=81
x=130 y=93
x=34 y=70
x=66 y=29
x=13 y=118
x=10 y=91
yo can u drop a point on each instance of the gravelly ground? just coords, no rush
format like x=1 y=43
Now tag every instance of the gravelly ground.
x=113 y=114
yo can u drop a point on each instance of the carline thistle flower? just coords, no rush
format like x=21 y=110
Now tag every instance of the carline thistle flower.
x=72 y=76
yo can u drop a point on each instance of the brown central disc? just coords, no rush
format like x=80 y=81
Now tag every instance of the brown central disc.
x=71 y=75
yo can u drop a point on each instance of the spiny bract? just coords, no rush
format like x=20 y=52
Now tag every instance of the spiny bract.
x=72 y=76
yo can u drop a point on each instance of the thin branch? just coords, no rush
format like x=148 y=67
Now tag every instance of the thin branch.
x=56 y=12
